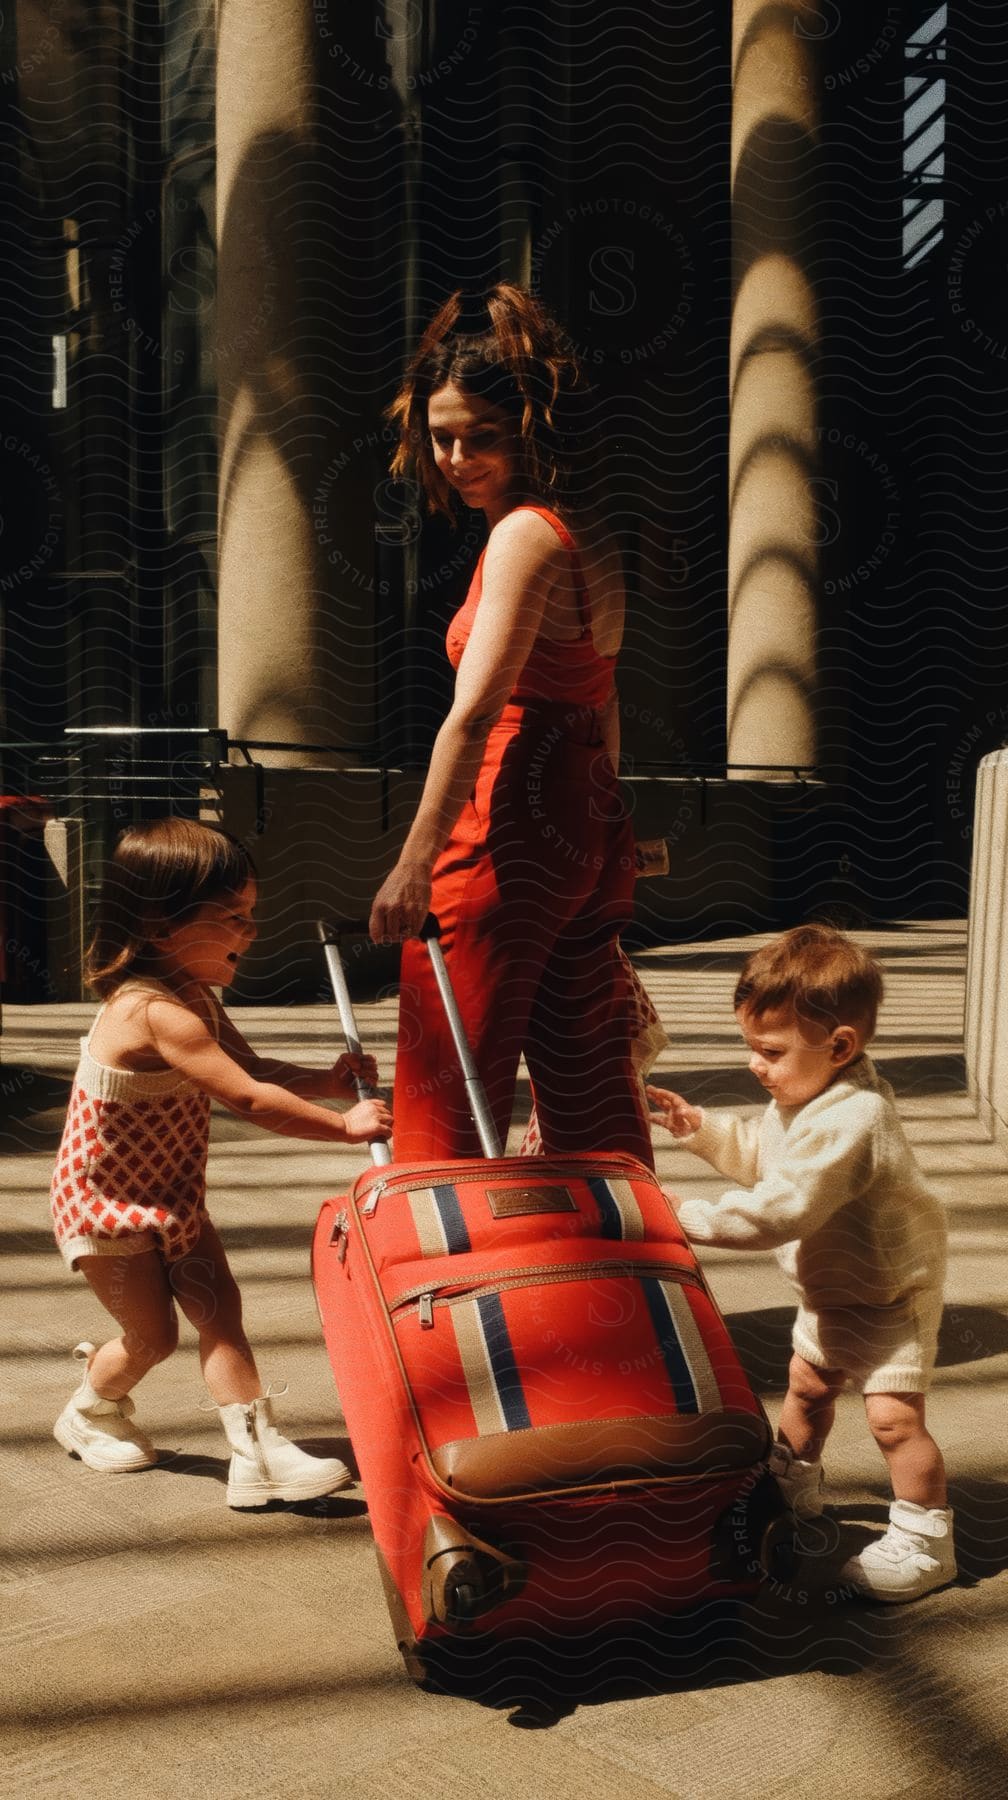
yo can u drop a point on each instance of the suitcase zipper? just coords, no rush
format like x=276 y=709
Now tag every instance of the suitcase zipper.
x=525 y=1166
x=370 y=1206
x=541 y=1275
x=340 y=1234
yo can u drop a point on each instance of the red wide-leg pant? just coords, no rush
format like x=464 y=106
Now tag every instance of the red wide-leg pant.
x=531 y=891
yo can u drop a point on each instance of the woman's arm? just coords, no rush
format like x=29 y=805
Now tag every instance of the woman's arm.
x=524 y=559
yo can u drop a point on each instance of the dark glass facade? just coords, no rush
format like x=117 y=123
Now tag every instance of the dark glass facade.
x=587 y=153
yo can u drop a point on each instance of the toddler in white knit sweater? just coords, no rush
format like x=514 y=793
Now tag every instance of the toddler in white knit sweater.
x=827 y=1179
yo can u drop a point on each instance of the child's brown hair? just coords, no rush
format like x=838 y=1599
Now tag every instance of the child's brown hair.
x=160 y=872
x=817 y=973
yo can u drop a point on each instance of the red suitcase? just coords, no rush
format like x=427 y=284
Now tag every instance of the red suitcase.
x=553 y=1429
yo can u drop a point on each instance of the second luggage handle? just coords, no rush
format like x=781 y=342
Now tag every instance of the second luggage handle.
x=430 y=933
x=482 y=1117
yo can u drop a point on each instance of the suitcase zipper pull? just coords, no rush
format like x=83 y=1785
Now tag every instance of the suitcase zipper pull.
x=340 y=1235
x=370 y=1206
x=426 y=1310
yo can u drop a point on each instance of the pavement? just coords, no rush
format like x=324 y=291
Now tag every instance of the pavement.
x=155 y=1643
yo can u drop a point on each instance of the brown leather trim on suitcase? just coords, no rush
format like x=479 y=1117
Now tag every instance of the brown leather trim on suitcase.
x=617 y=1165
x=599 y=1451
x=515 y=1202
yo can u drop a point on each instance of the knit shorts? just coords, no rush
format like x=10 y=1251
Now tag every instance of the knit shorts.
x=109 y=1227
x=883 y=1349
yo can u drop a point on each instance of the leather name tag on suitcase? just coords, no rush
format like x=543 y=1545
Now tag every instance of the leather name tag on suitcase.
x=514 y=1202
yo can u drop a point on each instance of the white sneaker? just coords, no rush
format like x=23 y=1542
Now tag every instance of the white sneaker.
x=100 y=1431
x=266 y=1466
x=800 y=1483
x=915 y=1555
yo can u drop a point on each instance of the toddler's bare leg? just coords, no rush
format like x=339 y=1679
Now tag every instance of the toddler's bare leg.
x=135 y=1291
x=916 y=1467
x=807 y=1414
x=208 y=1294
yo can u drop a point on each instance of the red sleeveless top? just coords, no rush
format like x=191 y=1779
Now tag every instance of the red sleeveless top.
x=570 y=672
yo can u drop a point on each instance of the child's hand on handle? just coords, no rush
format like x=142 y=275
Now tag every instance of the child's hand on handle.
x=367 y=1120
x=351 y=1068
x=672 y=1111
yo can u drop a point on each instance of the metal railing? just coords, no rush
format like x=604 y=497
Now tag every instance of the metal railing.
x=131 y=769
x=98 y=779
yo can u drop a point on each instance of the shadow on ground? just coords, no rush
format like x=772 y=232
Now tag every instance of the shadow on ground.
x=33 y=1105
x=326 y=1506
x=969 y=1334
x=810 y=1624
x=717 y=1644
x=722 y=1643
x=33 y=1101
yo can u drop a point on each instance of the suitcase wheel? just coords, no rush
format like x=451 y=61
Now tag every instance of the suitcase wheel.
x=754 y=1539
x=464 y=1602
x=778 y=1551
x=463 y=1577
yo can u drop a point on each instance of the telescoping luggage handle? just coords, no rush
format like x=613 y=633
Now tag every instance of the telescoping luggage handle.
x=482 y=1118
x=430 y=932
x=330 y=937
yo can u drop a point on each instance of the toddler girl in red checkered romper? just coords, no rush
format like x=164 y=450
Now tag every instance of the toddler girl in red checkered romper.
x=128 y=1193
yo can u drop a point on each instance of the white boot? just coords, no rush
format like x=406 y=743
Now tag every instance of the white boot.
x=100 y=1431
x=266 y=1466
x=800 y=1482
x=915 y=1555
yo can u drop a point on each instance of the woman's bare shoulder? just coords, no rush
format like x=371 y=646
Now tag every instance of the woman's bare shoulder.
x=523 y=554
x=524 y=529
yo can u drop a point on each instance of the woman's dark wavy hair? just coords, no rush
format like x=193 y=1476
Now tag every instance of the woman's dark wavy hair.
x=160 y=873
x=502 y=347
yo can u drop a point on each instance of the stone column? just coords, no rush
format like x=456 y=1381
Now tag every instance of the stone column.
x=267 y=683
x=986 y=1023
x=296 y=512
x=307 y=276
x=772 y=562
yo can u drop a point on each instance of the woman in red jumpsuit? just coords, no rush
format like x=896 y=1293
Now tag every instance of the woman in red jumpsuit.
x=521 y=843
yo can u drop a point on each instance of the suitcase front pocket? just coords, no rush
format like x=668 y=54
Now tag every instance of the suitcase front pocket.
x=575 y=1375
